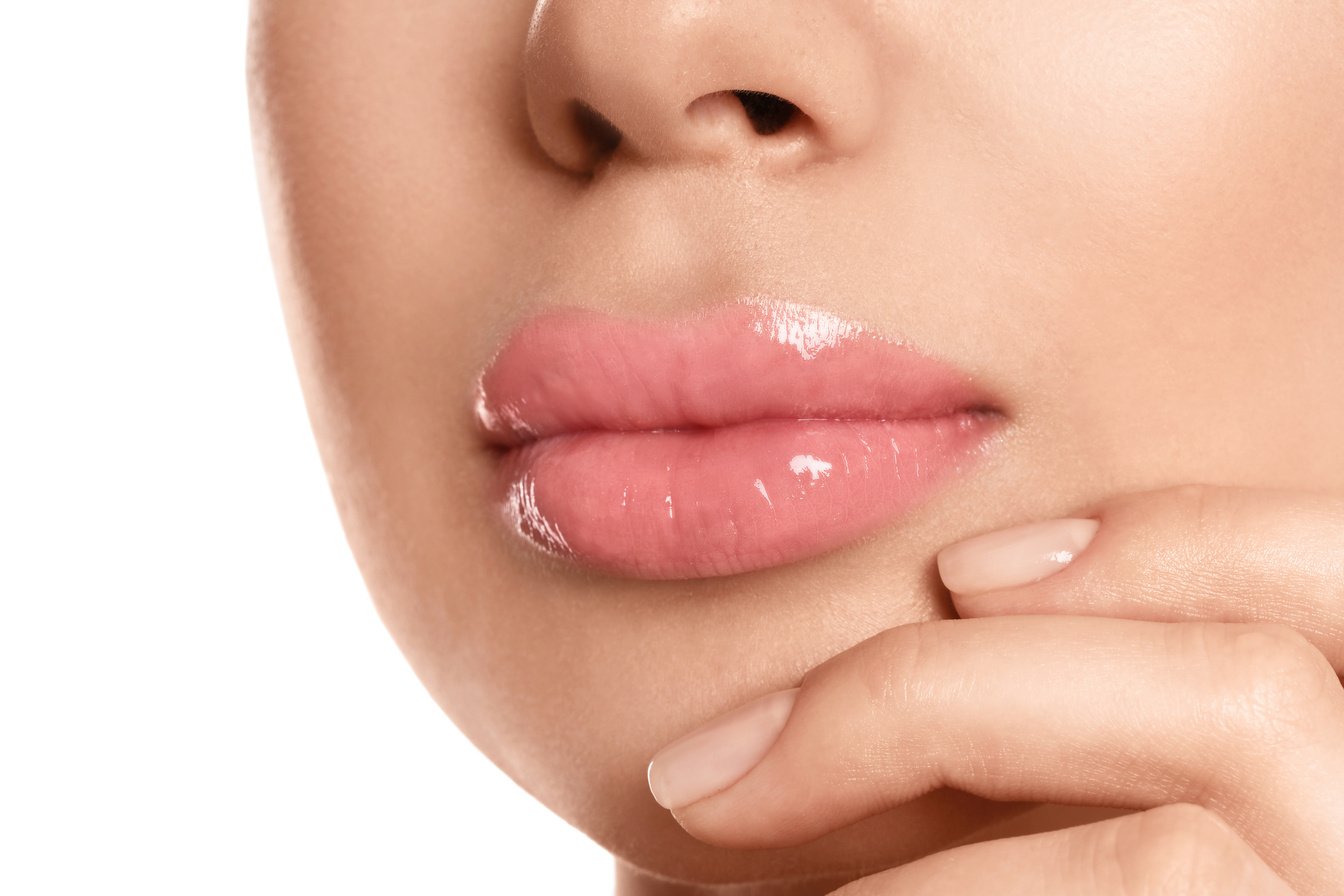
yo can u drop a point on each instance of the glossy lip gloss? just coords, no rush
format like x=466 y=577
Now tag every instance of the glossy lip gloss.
x=756 y=434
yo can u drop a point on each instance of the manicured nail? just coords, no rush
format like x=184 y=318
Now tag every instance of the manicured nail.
x=715 y=756
x=1012 y=557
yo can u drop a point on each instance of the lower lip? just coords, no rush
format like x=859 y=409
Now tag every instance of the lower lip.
x=683 y=504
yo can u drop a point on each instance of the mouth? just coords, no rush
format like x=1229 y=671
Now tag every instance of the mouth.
x=756 y=434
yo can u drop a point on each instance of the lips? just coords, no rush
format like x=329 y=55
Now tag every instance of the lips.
x=754 y=435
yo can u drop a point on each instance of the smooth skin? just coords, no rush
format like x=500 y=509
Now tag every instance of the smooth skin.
x=1125 y=217
x=1106 y=684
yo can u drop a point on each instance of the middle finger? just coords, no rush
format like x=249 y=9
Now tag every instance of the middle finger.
x=1242 y=719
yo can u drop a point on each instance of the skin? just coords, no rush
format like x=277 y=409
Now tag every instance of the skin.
x=1123 y=216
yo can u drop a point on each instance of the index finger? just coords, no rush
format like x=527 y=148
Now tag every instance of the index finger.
x=1195 y=552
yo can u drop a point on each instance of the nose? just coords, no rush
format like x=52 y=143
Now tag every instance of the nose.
x=775 y=83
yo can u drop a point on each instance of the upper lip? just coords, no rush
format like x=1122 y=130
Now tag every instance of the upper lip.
x=571 y=370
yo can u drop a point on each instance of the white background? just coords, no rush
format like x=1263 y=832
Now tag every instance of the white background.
x=195 y=693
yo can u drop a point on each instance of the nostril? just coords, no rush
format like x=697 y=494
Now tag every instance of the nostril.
x=768 y=113
x=599 y=135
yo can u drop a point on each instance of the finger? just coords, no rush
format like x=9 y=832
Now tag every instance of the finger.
x=1244 y=720
x=1172 y=849
x=1192 y=552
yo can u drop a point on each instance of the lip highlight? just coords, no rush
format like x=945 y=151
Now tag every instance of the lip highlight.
x=755 y=434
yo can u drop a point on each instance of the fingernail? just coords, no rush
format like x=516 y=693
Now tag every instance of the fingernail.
x=715 y=756
x=1012 y=557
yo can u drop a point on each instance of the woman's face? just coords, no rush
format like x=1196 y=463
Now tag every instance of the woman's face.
x=1124 y=219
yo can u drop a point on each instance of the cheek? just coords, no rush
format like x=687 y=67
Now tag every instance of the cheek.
x=1167 y=120
x=1176 y=170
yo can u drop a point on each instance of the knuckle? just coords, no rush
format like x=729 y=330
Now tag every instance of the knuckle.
x=1201 y=520
x=896 y=663
x=1180 y=848
x=1187 y=528
x=1205 y=508
x=1269 y=682
x=912 y=681
x=900 y=675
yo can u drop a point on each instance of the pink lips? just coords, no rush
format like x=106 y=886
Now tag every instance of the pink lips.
x=754 y=435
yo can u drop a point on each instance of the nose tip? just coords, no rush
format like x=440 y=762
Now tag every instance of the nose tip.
x=757 y=82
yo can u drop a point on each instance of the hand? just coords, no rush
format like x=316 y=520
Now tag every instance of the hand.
x=1175 y=652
